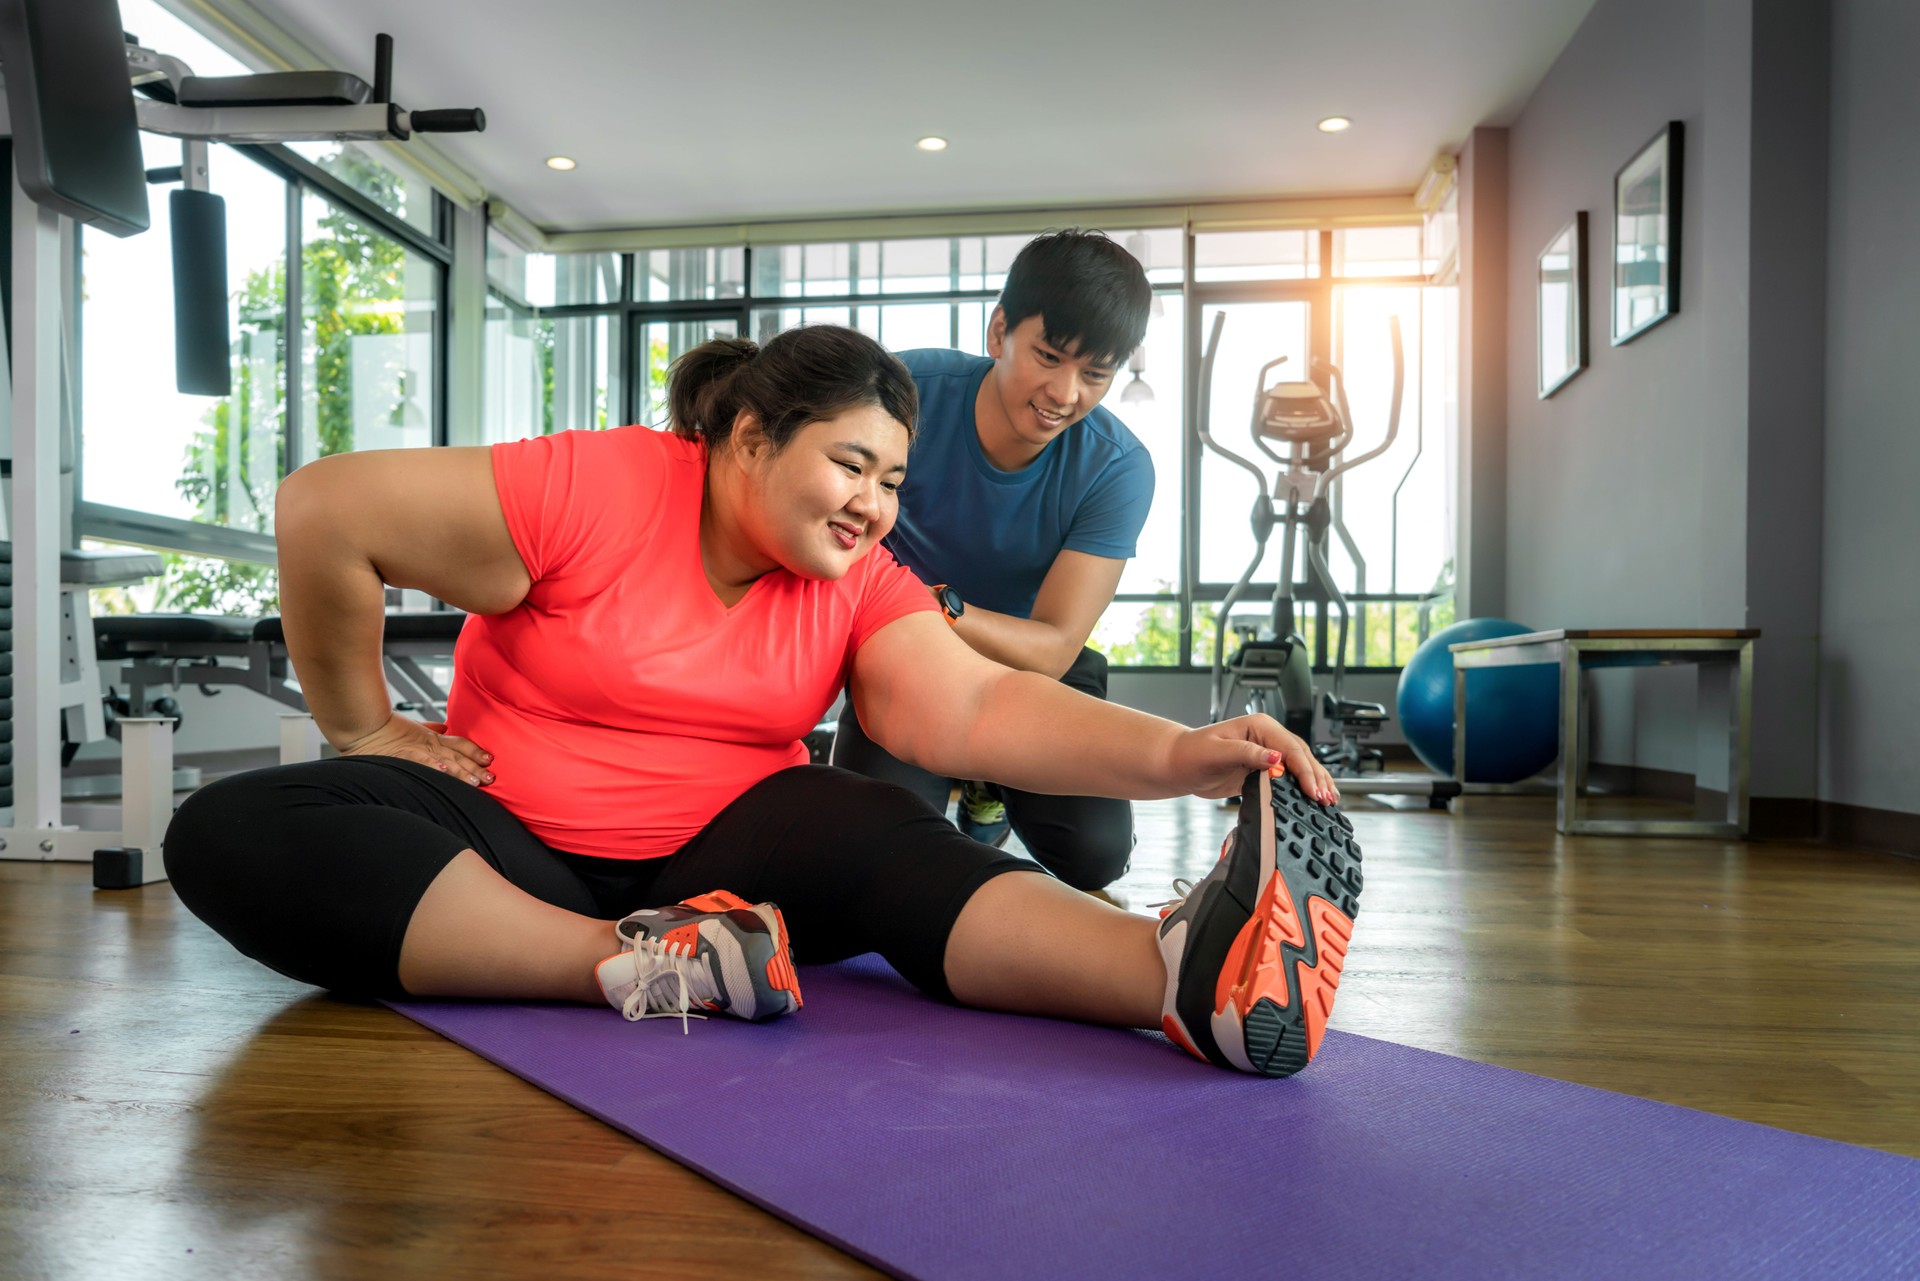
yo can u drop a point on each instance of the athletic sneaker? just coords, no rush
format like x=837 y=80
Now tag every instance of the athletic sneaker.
x=1253 y=952
x=983 y=816
x=715 y=952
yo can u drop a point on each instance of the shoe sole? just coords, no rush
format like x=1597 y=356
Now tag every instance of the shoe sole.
x=767 y=959
x=1290 y=967
x=1277 y=978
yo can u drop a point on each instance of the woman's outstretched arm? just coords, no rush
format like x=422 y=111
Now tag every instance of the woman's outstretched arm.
x=925 y=696
x=348 y=524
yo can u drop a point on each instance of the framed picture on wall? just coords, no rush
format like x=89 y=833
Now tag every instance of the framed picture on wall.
x=1646 y=237
x=1561 y=324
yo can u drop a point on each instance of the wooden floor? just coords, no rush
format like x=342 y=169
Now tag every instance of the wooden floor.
x=168 y=1108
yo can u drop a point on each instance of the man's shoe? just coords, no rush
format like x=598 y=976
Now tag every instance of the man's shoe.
x=983 y=816
x=1253 y=952
x=715 y=952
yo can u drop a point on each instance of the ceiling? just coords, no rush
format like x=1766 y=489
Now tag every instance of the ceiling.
x=755 y=109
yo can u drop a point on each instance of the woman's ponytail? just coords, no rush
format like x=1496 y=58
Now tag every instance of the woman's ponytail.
x=803 y=375
x=702 y=394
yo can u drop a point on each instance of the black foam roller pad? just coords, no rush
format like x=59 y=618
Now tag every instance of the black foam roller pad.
x=118 y=868
x=6 y=798
x=200 y=337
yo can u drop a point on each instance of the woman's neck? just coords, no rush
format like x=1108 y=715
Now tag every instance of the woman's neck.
x=733 y=563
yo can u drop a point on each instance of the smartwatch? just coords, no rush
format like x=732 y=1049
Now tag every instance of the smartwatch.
x=950 y=603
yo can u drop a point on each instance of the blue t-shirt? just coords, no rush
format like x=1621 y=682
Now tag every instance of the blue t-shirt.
x=993 y=534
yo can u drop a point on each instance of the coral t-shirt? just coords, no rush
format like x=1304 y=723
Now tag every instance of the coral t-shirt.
x=624 y=705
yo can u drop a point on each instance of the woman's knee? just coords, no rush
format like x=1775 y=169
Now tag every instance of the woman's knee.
x=209 y=829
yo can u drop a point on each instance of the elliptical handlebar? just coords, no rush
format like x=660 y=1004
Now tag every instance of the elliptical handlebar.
x=1393 y=412
x=1203 y=409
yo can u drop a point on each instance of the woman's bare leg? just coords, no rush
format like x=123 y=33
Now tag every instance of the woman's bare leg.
x=476 y=934
x=1033 y=945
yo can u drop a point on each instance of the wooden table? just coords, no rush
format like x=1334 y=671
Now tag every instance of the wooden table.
x=1719 y=654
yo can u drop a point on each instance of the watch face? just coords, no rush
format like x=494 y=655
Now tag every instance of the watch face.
x=951 y=602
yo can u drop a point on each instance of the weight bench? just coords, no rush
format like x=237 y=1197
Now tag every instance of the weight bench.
x=207 y=650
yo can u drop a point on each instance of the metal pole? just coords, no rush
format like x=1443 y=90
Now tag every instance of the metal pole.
x=1459 y=721
x=1739 y=764
x=37 y=331
x=1567 y=807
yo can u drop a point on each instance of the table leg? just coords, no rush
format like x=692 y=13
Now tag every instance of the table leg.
x=1459 y=724
x=1579 y=739
x=1573 y=768
x=1740 y=748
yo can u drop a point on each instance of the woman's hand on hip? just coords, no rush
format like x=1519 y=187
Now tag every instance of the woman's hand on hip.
x=428 y=743
x=1214 y=760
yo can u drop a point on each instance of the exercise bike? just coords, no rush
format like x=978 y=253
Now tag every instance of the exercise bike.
x=1304 y=429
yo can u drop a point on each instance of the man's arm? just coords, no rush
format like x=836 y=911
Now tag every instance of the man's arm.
x=1076 y=591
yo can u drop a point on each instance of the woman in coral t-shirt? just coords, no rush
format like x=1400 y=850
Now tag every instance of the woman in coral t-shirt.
x=656 y=619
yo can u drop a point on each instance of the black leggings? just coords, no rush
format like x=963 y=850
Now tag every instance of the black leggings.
x=315 y=870
x=1086 y=841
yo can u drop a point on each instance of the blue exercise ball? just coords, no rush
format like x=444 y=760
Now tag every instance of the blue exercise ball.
x=1513 y=713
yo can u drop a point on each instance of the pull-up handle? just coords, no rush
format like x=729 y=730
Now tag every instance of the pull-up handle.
x=448 y=120
x=383 y=68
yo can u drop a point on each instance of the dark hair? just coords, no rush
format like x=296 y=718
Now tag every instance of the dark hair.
x=801 y=376
x=1090 y=294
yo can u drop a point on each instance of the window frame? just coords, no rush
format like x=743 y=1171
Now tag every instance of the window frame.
x=1318 y=291
x=126 y=525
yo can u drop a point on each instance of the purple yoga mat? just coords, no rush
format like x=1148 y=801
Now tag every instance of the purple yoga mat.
x=937 y=1142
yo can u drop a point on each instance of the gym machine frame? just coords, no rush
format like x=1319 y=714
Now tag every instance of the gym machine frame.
x=270 y=107
x=1315 y=425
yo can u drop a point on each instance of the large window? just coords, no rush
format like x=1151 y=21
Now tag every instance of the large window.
x=369 y=311
x=1390 y=543
x=550 y=366
x=557 y=358
x=146 y=446
x=195 y=475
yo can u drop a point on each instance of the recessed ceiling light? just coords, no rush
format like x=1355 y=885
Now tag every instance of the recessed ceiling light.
x=562 y=163
x=1335 y=124
x=931 y=143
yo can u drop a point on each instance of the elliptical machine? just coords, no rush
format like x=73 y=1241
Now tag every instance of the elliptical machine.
x=1313 y=426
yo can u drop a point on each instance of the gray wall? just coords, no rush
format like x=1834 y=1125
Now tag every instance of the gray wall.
x=1870 y=561
x=1674 y=483
x=1626 y=505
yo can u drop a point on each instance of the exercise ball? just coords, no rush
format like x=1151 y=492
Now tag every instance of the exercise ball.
x=1513 y=713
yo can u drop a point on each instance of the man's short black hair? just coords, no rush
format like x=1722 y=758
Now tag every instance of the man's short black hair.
x=1090 y=294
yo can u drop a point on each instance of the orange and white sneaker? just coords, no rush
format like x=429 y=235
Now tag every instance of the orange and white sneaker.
x=1253 y=952
x=714 y=953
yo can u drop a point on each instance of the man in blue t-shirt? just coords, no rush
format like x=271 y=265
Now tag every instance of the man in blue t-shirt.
x=1022 y=505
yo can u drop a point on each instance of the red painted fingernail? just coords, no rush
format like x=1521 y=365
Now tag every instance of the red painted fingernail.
x=1273 y=758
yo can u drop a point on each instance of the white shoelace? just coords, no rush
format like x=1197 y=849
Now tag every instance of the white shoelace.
x=1182 y=888
x=660 y=965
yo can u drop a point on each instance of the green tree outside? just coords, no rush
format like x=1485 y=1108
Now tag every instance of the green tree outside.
x=352 y=284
